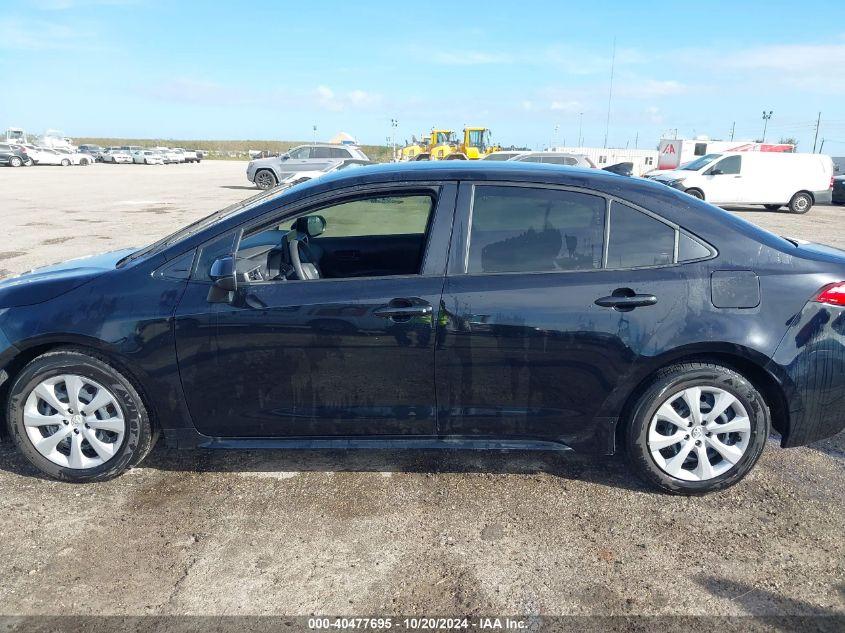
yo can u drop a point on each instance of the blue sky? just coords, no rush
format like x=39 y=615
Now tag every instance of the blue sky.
x=272 y=70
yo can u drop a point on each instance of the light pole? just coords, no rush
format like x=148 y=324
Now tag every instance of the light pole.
x=580 y=121
x=554 y=138
x=766 y=117
x=315 y=134
x=394 y=123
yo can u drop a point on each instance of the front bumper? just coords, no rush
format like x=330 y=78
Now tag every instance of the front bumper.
x=812 y=359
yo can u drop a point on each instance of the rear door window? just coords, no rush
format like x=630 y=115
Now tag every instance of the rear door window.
x=321 y=152
x=526 y=229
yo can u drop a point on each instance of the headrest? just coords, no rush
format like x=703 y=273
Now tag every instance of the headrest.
x=311 y=225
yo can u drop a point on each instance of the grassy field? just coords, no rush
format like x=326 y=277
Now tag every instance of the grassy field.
x=231 y=150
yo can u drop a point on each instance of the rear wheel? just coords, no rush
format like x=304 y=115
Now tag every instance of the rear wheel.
x=265 y=179
x=696 y=428
x=696 y=193
x=15 y=161
x=801 y=202
x=77 y=418
x=65 y=162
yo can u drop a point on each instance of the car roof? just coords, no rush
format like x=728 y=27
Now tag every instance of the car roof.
x=463 y=170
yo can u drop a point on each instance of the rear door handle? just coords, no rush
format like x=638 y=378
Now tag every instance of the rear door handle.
x=626 y=302
x=403 y=310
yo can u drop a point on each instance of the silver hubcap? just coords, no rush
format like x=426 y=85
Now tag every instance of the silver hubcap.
x=801 y=203
x=74 y=422
x=699 y=433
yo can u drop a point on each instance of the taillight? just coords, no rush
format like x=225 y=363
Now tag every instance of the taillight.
x=831 y=182
x=832 y=294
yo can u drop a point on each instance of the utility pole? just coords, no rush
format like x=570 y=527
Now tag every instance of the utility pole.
x=315 y=134
x=637 y=140
x=610 y=92
x=816 y=138
x=733 y=129
x=821 y=147
x=394 y=123
x=554 y=137
x=766 y=118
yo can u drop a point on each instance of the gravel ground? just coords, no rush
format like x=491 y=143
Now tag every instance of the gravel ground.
x=381 y=532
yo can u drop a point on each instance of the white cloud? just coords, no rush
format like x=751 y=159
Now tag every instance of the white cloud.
x=328 y=99
x=38 y=35
x=566 y=106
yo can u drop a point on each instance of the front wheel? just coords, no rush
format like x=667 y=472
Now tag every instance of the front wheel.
x=800 y=203
x=696 y=193
x=77 y=418
x=696 y=428
x=265 y=179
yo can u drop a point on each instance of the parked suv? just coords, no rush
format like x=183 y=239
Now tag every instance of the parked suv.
x=12 y=156
x=554 y=158
x=266 y=173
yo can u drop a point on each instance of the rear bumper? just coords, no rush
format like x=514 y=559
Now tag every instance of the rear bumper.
x=823 y=197
x=811 y=358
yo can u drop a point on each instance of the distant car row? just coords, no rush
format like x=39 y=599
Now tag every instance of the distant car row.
x=13 y=155
x=142 y=155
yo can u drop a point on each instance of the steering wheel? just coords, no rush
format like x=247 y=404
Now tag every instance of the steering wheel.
x=303 y=270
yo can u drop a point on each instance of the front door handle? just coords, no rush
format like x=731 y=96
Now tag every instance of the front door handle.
x=625 y=301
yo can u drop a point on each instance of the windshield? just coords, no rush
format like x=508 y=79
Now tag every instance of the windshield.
x=700 y=163
x=444 y=137
x=203 y=223
x=479 y=138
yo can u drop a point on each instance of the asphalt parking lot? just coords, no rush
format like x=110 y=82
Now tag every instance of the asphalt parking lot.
x=381 y=532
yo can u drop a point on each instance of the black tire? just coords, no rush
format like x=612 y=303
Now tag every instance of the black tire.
x=671 y=380
x=265 y=179
x=695 y=193
x=15 y=161
x=773 y=207
x=65 y=162
x=800 y=203
x=139 y=437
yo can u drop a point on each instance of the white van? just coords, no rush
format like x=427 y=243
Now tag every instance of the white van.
x=771 y=179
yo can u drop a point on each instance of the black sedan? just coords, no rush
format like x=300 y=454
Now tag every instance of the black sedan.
x=436 y=305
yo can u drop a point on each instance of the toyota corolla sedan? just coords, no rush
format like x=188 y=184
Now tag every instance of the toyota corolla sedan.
x=451 y=304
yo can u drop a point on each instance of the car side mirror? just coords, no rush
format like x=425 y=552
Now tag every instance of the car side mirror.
x=284 y=156
x=222 y=273
x=716 y=172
